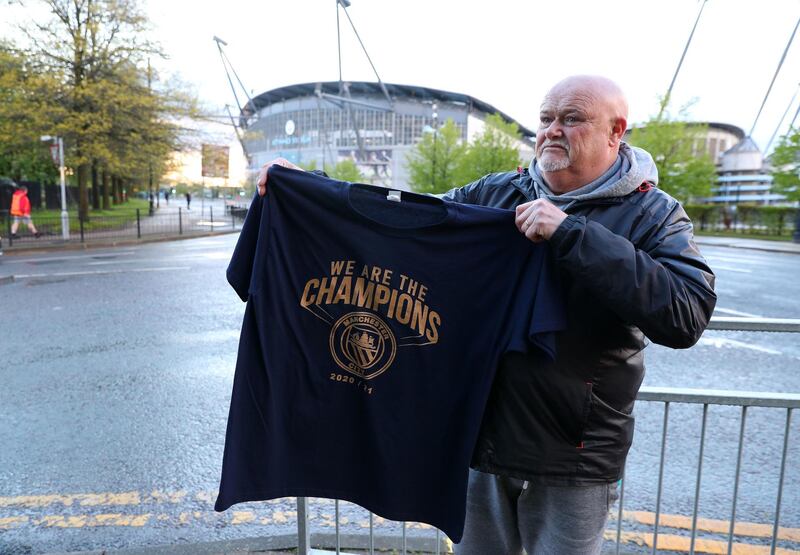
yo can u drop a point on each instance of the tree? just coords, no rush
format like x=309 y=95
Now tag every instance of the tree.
x=24 y=117
x=112 y=117
x=433 y=162
x=493 y=150
x=346 y=170
x=682 y=172
x=785 y=160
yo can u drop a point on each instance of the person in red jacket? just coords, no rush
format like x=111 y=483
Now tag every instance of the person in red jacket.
x=21 y=211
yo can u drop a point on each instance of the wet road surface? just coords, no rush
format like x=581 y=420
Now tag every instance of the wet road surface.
x=116 y=374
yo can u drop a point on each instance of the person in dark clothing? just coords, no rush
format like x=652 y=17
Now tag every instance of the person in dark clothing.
x=188 y=200
x=555 y=435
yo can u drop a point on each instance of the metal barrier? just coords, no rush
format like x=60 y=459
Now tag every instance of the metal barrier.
x=706 y=397
x=99 y=229
x=665 y=395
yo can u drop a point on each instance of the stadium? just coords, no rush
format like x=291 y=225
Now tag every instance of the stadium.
x=373 y=124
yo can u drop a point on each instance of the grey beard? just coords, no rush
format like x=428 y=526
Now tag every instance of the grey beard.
x=555 y=165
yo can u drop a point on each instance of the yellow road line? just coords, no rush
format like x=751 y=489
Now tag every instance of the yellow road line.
x=12 y=521
x=670 y=542
x=77 y=521
x=135 y=498
x=666 y=542
x=712 y=525
x=97 y=499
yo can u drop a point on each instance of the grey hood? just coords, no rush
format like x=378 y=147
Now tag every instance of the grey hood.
x=633 y=167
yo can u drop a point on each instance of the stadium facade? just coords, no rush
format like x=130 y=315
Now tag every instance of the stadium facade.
x=318 y=124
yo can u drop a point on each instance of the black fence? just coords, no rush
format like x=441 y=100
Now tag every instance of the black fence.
x=47 y=228
x=745 y=219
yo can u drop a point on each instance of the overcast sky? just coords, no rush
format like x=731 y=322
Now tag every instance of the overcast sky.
x=504 y=52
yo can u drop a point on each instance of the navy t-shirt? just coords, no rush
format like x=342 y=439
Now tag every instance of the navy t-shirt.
x=369 y=343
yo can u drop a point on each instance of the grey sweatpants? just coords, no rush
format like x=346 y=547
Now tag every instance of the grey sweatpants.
x=505 y=515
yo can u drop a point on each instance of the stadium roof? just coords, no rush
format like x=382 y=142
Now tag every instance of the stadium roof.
x=370 y=88
x=737 y=131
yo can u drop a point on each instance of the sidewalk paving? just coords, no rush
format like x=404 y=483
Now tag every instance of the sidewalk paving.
x=260 y=546
x=748 y=243
x=283 y=544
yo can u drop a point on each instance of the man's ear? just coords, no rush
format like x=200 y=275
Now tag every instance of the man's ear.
x=618 y=128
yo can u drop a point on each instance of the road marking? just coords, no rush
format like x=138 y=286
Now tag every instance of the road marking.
x=76 y=257
x=211 y=255
x=94 y=499
x=103 y=272
x=12 y=521
x=671 y=542
x=760 y=261
x=712 y=525
x=720 y=342
x=716 y=267
x=736 y=313
x=233 y=518
x=82 y=521
x=280 y=516
x=243 y=517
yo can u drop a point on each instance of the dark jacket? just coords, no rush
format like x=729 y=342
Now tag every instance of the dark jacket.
x=629 y=268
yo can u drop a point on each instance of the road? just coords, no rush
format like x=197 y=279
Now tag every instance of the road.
x=117 y=368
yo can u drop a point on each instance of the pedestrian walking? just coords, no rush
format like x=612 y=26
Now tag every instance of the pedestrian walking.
x=21 y=212
x=188 y=200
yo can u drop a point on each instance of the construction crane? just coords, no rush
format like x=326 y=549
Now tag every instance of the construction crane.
x=247 y=111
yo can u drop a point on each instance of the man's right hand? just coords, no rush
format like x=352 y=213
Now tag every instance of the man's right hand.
x=262 y=175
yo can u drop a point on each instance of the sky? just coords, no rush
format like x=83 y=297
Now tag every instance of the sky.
x=505 y=52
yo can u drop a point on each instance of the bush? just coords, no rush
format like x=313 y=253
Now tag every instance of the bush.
x=703 y=215
x=745 y=218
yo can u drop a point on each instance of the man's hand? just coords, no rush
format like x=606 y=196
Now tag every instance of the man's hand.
x=538 y=219
x=262 y=175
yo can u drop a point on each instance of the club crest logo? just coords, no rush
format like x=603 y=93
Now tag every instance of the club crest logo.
x=362 y=344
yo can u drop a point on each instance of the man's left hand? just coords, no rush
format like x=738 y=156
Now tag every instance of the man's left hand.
x=538 y=219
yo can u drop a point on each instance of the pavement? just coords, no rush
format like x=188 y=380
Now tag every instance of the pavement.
x=748 y=243
x=351 y=544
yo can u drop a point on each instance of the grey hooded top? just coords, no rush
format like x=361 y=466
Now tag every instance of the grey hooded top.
x=632 y=167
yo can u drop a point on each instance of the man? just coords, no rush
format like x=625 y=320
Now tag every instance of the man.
x=555 y=435
x=21 y=211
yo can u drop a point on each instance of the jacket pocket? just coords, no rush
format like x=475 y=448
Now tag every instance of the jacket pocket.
x=606 y=438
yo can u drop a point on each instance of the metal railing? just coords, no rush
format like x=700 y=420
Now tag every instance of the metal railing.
x=667 y=396
x=706 y=397
x=103 y=229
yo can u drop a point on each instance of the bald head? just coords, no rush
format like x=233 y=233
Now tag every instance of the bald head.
x=582 y=121
x=602 y=90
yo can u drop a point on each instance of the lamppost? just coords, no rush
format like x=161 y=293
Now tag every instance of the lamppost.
x=62 y=170
x=435 y=116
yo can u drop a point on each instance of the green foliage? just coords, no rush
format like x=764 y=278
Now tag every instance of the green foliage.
x=433 y=163
x=346 y=170
x=494 y=150
x=702 y=215
x=87 y=78
x=786 y=163
x=23 y=118
x=681 y=173
x=777 y=218
x=441 y=161
x=772 y=221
